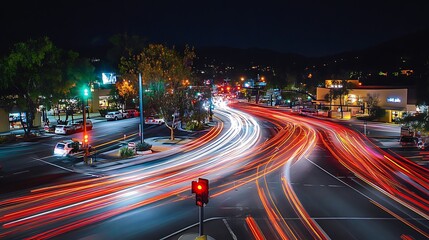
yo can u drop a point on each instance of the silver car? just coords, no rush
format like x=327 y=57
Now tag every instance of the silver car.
x=116 y=115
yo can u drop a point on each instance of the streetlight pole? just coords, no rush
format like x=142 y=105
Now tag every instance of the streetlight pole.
x=141 y=108
x=85 y=145
x=87 y=105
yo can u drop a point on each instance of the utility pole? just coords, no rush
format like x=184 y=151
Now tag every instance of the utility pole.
x=85 y=136
x=141 y=108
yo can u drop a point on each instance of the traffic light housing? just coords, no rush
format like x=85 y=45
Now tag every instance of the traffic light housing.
x=201 y=190
x=85 y=91
x=85 y=138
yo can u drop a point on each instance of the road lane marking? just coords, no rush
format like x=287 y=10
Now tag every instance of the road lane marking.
x=67 y=169
x=16 y=173
x=229 y=229
x=361 y=193
x=55 y=165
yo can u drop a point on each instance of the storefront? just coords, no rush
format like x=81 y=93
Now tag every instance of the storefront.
x=360 y=99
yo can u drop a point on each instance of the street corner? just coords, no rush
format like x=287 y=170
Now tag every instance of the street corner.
x=214 y=228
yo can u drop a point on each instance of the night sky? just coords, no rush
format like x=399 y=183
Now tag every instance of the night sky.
x=310 y=28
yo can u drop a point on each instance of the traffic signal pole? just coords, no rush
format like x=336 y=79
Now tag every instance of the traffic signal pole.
x=141 y=108
x=201 y=190
x=85 y=145
x=201 y=227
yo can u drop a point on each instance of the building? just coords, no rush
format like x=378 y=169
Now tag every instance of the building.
x=393 y=100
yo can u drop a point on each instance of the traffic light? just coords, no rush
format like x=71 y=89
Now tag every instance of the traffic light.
x=201 y=190
x=85 y=92
x=85 y=139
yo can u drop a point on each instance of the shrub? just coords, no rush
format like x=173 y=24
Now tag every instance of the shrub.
x=194 y=126
x=126 y=152
x=3 y=139
x=102 y=112
x=8 y=138
x=366 y=117
x=143 y=146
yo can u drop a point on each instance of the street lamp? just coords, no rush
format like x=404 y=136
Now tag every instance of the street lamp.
x=85 y=136
x=141 y=108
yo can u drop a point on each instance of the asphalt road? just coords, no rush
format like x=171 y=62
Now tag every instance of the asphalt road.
x=272 y=175
x=30 y=164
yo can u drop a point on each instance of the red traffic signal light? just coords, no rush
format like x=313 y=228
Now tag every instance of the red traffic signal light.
x=201 y=190
x=85 y=138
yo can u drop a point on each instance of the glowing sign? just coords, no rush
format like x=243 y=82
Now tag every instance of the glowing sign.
x=108 y=78
x=394 y=100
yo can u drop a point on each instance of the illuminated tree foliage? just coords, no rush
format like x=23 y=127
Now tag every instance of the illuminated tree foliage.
x=163 y=70
x=34 y=71
x=126 y=91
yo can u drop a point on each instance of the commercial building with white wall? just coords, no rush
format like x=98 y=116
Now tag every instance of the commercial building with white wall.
x=394 y=100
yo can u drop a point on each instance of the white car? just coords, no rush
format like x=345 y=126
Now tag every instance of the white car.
x=64 y=129
x=154 y=120
x=67 y=147
x=115 y=115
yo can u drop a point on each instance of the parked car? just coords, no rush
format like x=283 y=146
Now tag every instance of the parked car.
x=114 y=115
x=67 y=147
x=154 y=120
x=132 y=113
x=79 y=125
x=408 y=141
x=64 y=129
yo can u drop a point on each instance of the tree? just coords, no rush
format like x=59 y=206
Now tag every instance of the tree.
x=126 y=91
x=34 y=69
x=372 y=104
x=37 y=72
x=124 y=45
x=163 y=70
x=342 y=90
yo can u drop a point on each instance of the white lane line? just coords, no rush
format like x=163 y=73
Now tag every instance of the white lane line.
x=16 y=173
x=67 y=169
x=229 y=229
x=55 y=165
